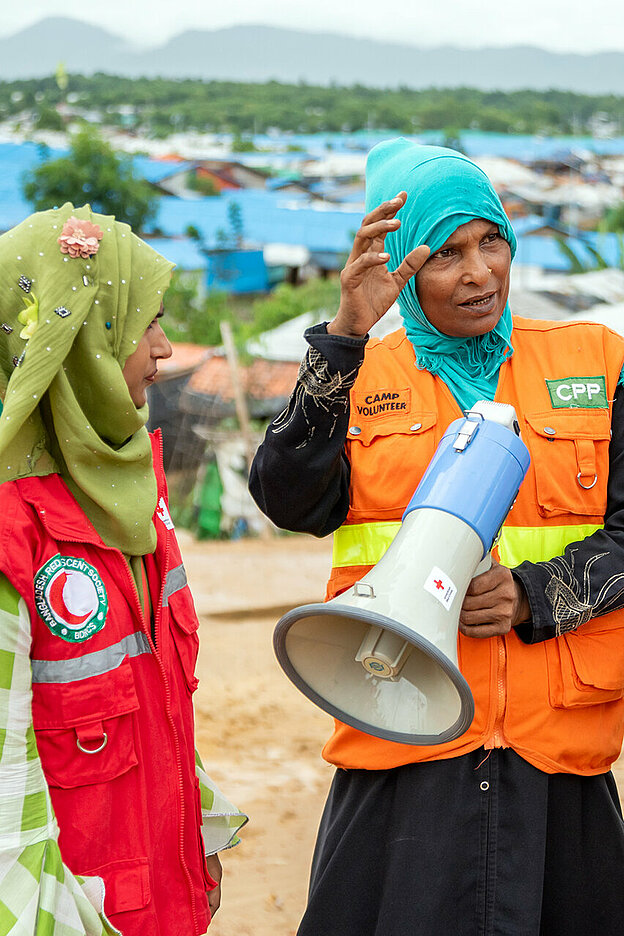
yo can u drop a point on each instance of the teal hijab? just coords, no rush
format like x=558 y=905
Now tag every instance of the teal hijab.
x=445 y=190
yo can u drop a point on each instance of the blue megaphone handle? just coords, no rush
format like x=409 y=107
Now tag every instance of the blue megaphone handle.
x=479 y=483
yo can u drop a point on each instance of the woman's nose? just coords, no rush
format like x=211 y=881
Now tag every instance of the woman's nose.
x=476 y=269
x=161 y=347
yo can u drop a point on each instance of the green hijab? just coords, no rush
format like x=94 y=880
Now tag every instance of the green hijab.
x=67 y=325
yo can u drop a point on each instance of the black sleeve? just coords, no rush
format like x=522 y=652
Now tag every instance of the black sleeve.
x=300 y=476
x=588 y=579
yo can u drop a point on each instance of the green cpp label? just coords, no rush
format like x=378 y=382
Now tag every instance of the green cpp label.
x=578 y=392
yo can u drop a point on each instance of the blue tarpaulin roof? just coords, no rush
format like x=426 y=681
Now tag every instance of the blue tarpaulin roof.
x=288 y=217
x=155 y=170
x=15 y=160
x=184 y=252
x=266 y=218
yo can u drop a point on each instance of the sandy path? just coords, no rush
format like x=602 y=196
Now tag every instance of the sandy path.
x=259 y=737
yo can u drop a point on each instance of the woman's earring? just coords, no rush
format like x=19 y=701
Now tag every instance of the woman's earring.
x=489 y=270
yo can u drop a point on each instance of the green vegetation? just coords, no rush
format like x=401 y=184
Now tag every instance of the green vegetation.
x=202 y=184
x=614 y=219
x=287 y=302
x=190 y=317
x=158 y=106
x=93 y=173
x=595 y=261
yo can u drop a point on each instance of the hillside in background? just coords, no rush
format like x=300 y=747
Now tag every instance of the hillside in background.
x=262 y=53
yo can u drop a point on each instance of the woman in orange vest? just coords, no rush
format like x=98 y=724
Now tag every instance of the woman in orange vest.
x=515 y=827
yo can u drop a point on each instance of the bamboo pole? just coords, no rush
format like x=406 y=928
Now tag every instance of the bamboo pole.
x=242 y=410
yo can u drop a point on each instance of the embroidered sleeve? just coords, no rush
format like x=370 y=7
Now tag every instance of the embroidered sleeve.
x=320 y=385
x=300 y=476
x=38 y=894
x=221 y=820
x=588 y=579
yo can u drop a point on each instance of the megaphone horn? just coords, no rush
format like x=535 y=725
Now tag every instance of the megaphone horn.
x=382 y=656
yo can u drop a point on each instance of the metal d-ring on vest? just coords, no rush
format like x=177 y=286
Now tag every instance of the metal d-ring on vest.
x=93 y=750
x=586 y=487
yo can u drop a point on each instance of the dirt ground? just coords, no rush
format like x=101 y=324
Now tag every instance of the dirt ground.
x=259 y=737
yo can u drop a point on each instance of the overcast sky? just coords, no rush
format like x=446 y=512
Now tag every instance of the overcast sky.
x=560 y=25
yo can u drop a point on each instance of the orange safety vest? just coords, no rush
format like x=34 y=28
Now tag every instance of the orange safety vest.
x=558 y=703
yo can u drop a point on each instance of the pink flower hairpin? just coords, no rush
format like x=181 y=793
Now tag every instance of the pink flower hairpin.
x=80 y=238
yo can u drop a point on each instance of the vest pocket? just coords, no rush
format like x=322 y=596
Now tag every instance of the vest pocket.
x=586 y=667
x=570 y=459
x=95 y=752
x=126 y=883
x=184 y=626
x=375 y=447
x=85 y=729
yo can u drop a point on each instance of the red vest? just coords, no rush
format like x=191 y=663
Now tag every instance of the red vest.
x=112 y=707
x=559 y=703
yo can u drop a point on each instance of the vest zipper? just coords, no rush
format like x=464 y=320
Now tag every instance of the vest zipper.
x=174 y=730
x=497 y=736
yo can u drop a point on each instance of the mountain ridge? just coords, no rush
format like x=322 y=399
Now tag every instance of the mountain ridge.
x=262 y=53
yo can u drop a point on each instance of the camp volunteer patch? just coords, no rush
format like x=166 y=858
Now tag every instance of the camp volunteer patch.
x=578 y=392
x=381 y=402
x=71 y=598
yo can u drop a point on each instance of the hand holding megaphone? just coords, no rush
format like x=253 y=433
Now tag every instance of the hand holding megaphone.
x=494 y=603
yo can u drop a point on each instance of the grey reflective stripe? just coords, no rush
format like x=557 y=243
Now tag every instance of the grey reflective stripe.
x=91 y=664
x=176 y=579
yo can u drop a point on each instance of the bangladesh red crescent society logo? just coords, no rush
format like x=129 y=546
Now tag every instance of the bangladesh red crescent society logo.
x=71 y=598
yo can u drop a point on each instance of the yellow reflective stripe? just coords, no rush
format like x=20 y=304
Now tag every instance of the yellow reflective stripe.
x=357 y=544
x=363 y=544
x=539 y=543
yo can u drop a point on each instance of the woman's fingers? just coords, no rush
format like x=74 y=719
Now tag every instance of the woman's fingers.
x=353 y=273
x=411 y=265
x=372 y=237
x=481 y=631
x=387 y=209
x=376 y=225
x=494 y=603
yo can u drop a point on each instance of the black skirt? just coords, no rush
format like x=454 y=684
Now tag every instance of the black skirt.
x=479 y=845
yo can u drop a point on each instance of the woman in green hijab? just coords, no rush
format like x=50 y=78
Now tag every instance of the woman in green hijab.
x=101 y=793
x=514 y=827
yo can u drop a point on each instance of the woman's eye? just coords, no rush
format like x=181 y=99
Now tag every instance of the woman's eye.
x=444 y=253
x=491 y=238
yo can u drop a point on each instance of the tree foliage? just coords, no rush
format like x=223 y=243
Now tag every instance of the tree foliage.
x=287 y=302
x=158 y=106
x=92 y=172
x=195 y=318
x=191 y=317
x=614 y=219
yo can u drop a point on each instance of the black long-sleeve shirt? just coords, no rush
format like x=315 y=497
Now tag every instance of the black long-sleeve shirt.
x=300 y=480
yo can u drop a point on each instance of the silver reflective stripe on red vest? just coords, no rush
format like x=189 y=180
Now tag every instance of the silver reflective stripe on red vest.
x=90 y=664
x=176 y=579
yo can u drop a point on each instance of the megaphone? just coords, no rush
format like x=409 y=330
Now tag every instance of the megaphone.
x=382 y=656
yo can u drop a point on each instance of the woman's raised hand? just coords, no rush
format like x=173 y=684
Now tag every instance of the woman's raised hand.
x=367 y=287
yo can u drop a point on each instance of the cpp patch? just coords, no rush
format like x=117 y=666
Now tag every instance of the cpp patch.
x=71 y=598
x=578 y=393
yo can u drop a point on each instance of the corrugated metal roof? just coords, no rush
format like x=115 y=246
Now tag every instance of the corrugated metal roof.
x=261 y=380
x=186 y=357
